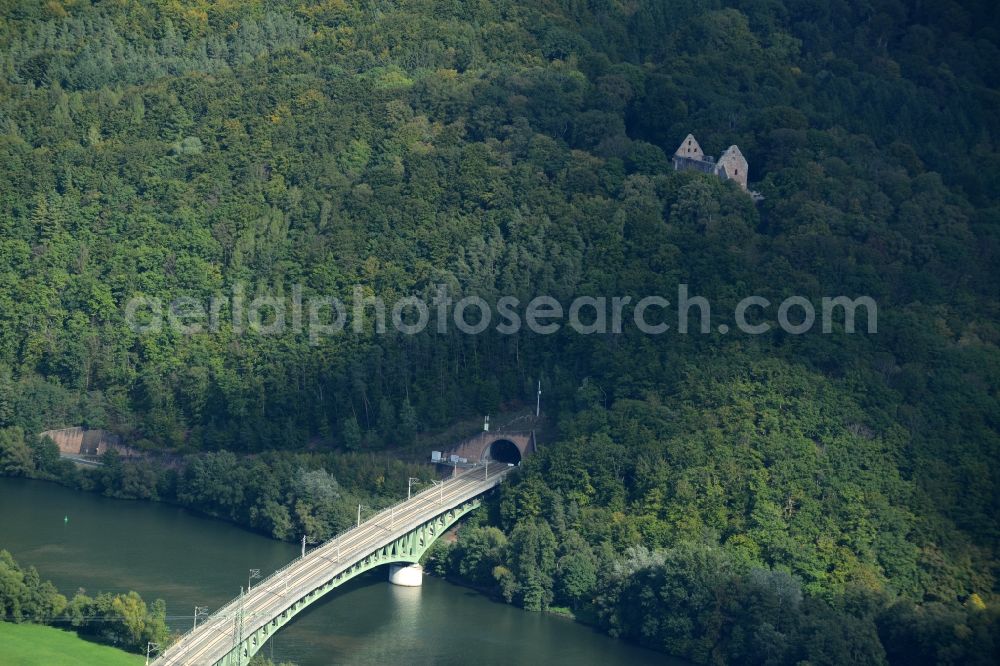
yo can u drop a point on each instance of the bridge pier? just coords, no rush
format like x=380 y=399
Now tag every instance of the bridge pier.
x=406 y=575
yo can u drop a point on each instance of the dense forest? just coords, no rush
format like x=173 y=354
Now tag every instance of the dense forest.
x=776 y=498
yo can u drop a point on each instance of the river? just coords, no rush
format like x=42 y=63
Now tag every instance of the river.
x=78 y=539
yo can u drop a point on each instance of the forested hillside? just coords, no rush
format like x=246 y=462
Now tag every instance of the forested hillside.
x=172 y=148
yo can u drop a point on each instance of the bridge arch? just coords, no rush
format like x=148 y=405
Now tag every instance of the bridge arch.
x=400 y=535
x=407 y=549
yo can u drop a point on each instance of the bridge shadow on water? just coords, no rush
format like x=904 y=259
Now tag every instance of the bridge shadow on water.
x=363 y=618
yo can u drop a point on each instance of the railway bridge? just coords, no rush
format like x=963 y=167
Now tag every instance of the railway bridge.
x=400 y=534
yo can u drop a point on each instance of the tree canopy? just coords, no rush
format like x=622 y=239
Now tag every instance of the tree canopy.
x=301 y=148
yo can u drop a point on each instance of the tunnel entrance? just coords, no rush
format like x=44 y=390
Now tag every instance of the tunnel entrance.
x=505 y=451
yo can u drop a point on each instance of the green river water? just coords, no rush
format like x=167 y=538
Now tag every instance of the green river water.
x=170 y=553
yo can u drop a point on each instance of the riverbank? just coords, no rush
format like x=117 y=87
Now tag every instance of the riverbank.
x=281 y=494
x=109 y=545
x=33 y=644
x=584 y=617
x=271 y=554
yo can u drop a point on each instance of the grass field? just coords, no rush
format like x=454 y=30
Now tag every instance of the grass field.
x=36 y=645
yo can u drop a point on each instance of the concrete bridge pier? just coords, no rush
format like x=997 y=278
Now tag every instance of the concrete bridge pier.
x=406 y=575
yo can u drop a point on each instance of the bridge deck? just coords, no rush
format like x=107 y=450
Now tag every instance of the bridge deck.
x=217 y=636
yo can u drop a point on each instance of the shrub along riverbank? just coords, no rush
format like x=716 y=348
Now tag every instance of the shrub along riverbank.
x=120 y=620
x=281 y=494
x=699 y=601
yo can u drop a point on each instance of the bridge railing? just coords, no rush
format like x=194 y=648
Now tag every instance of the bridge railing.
x=233 y=604
x=388 y=511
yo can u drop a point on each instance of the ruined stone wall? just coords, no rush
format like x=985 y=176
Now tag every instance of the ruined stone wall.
x=733 y=166
x=80 y=441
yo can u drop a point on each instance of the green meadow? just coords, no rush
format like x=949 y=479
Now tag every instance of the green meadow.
x=31 y=644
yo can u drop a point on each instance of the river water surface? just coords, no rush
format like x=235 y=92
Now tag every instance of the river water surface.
x=78 y=539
